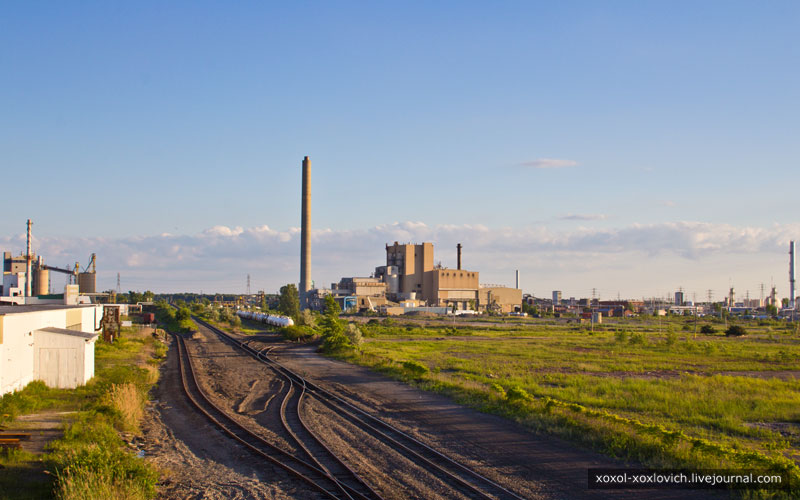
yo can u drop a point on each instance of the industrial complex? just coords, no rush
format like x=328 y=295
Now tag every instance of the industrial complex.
x=27 y=279
x=409 y=282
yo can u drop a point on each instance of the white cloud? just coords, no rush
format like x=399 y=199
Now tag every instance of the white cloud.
x=583 y=217
x=549 y=163
x=633 y=256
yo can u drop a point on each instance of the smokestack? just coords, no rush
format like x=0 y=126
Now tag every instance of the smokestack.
x=517 y=287
x=791 y=275
x=458 y=248
x=305 y=235
x=28 y=275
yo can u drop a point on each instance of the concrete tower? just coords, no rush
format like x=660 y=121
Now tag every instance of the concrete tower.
x=791 y=275
x=28 y=275
x=305 y=235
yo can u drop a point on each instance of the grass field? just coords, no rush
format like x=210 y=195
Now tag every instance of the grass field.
x=643 y=389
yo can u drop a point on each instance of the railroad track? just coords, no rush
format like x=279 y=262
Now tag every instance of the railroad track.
x=330 y=481
x=457 y=475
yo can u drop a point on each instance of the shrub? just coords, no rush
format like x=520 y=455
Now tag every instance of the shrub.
x=636 y=338
x=672 y=338
x=518 y=395
x=353 y=334
x=620 y=336
x=183 y=313
x=296 y=332
x=707 y=330
x=414 y=368
x=735 y=331
x=306 y=318
x=498 y=389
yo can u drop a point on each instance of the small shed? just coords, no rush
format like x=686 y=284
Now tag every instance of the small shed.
x=63 y=358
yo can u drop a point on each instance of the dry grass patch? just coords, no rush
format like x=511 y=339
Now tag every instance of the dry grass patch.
x=129 y=401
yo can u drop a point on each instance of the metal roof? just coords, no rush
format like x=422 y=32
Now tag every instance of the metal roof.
x=38 y=307
x=72 y=333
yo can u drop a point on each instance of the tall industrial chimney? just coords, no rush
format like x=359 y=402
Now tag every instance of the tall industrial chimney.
x=791 y=276
x=458 y=249
x=28 y=275
x=517 y=287
x=305 y=235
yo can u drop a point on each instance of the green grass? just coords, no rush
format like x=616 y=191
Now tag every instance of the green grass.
x=643 y=389
x=90 y=460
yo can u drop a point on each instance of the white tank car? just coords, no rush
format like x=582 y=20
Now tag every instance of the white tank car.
x=268 y=319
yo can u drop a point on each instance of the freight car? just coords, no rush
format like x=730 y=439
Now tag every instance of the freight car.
x=268 y=319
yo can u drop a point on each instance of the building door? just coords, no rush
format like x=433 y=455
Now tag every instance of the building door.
x=58 y=367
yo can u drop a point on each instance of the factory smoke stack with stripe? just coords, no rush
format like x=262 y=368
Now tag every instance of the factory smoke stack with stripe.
x=305 y=235
x=458 y=251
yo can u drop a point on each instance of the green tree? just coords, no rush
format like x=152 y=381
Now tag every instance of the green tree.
x=772 y=311
x=333 y=328
x=289 y=302
x=183 y=314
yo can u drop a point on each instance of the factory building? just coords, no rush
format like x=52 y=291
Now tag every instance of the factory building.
x=499 y=299
x=359 y=293
x=52 y=343
x=411 y=282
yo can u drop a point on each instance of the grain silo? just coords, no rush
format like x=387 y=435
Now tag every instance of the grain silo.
x=87 y=281
x=41 y=280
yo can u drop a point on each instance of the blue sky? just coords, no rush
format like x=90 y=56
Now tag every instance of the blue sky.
x=531 y=121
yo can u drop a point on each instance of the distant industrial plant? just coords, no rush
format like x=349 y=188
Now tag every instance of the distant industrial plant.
x=26 y=279
x=410 y=282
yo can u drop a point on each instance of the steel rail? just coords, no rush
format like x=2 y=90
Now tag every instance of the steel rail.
x=359 y=483
x=235 y=430
x=372 y=423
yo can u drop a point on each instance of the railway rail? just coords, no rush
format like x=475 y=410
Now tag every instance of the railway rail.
x=467 y=481
x=329 y=481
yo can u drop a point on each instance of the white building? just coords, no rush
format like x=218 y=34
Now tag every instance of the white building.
x=53 y=343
